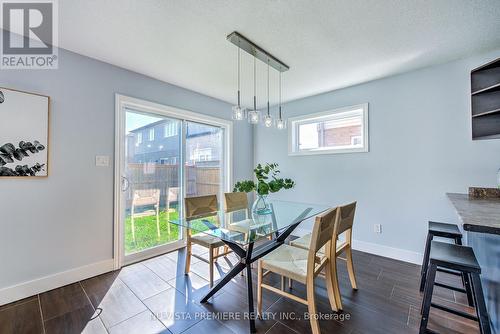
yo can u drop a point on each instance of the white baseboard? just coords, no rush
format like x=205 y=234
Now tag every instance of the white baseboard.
x=386 y=251
x=377 y=249
x=39 y=285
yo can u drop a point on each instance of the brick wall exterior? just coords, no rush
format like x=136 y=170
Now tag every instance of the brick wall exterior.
x=340 y=136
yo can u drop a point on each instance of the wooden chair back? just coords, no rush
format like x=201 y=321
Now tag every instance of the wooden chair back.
x=145 y=197
x=236 y=201
x=346 y=218
x=323 y=229
x=201 y=207
x=173 y=194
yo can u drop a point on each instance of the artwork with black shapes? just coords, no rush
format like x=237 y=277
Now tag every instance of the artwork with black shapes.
x=23 y=133
x=8 y=152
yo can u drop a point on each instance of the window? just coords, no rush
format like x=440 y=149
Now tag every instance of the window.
x=151 y=134
x=170 y=130
x=343 y=130
x=139 y=138
x=168 y=161
x=201 y=154
x=356 y=140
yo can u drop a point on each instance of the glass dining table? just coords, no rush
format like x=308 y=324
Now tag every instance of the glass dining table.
x=268 y=229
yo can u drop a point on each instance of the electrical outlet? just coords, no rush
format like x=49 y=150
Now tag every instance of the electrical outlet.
x=102 y=160
x=377 y=228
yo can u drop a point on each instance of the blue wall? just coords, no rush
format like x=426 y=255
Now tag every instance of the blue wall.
x=66 y=220
x=420 y=149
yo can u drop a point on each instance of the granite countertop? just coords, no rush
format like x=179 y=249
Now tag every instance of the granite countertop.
x=477 y=215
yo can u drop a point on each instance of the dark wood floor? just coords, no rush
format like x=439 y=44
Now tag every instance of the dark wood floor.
x=142 y=298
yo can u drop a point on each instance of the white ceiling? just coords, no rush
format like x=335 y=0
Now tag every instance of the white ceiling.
x=327 y=44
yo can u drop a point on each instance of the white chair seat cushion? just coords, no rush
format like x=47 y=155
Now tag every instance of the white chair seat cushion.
x=288 y=261
x=242 y=226
x=304 y=242
x=206 y=240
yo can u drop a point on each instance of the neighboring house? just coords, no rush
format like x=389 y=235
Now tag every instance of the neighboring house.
x=340 y=133
x=159 y=143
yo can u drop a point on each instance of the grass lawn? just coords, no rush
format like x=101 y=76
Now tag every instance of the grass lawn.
x=146 y=235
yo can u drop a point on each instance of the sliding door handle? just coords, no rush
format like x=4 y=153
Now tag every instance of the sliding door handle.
x=125 y=183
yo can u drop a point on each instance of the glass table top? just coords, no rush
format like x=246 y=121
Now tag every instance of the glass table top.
x=230 y=227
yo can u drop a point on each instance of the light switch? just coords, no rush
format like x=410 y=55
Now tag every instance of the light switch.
x=102 y=160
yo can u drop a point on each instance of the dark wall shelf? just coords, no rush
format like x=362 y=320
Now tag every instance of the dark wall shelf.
x=485 y=113
x=487 y=89
x=485 y=101
x=484 y=78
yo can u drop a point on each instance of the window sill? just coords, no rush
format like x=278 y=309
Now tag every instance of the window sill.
x=333 y=151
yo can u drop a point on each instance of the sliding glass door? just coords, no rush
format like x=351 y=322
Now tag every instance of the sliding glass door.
x=152 y=178
x=204 y=159
x=163 y=158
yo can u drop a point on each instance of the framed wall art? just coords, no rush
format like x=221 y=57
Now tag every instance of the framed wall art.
x=24 y=134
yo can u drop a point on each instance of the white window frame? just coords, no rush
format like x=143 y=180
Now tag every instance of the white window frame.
x=294 y=122
x=139 y=138
x=151 y=134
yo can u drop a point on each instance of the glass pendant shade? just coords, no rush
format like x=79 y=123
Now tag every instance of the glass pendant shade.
x=268 y=121
x=253 y=116
x=280 y=124
x=238 y=113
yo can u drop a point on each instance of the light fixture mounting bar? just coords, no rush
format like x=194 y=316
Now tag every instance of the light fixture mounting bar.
x=250 y=47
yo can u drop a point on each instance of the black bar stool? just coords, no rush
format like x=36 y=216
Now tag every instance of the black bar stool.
x=449 y=231
x=461 y=259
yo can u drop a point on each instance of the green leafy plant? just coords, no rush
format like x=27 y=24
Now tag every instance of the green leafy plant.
x=267 y=181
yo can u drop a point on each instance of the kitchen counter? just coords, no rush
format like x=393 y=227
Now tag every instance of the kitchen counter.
x=481 y=221
x=477 y=215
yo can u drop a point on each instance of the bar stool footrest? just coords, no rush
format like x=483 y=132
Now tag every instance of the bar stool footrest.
x=446 y=286
x=456 y=312
x=449 y=271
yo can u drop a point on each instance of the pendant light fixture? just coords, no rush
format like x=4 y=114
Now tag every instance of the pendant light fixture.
x=268 y=120
x=238 y=111
x=253 y=115
x=280 y=122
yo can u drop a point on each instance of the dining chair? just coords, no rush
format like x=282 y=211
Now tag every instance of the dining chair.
x=237 y=202
x=142 y=198
x=343 y=225
x=303 y=265
x=172 y=197
x=198 y=208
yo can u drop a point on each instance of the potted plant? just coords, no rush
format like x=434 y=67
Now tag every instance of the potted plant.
x=267 y=182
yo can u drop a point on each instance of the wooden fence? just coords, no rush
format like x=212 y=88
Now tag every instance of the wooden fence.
x=201 y=180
